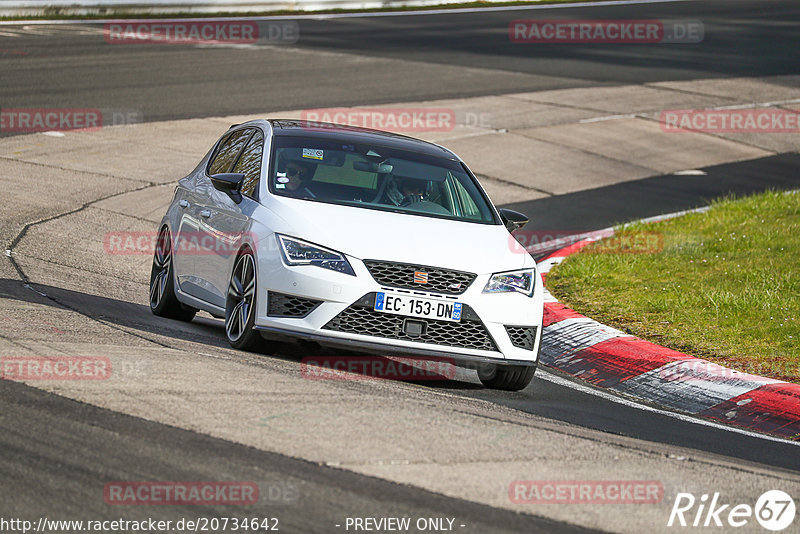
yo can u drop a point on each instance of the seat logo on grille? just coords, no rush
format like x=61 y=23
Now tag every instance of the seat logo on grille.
x=420 y=277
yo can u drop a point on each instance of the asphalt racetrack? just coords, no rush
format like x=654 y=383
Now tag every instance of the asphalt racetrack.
x=329 y=451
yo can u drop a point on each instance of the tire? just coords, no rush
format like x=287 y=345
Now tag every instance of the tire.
x=506 y=377
x=163 y=301
x=240 y=304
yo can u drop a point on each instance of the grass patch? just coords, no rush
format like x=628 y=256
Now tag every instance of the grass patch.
x=724 y=286
x=58 y=13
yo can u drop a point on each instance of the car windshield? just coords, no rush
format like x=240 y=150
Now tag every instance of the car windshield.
x=376 y=177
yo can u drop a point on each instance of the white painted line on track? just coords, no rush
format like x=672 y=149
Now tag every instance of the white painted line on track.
x=642 y=114
x=754 y=105
x=559 y=381
x=546 y=265
x=692 y=385
x=324 y=16
x=568 y=336
x=780 y=102
x=548 y=297
x=608 y=118
x=667 y=216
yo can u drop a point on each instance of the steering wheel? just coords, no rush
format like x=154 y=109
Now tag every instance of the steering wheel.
x=411 y=199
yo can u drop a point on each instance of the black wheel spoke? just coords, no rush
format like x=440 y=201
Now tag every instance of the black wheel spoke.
x=162 y=263
x=154 y=290
x=233 y=323
x=162 y=285
x=236 y=285
x=241 y=293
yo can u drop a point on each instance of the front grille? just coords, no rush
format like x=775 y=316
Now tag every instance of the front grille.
x=402 y=275
x=362 y=319
x=281 y=305
x=523 y=337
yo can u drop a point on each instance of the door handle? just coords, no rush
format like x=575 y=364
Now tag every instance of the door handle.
x=205 y=214
x=183 y=203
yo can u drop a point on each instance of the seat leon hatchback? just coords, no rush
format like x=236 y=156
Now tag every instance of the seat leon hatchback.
x=351 y=238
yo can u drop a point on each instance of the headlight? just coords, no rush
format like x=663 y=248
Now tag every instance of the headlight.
x=519 y=281
x=298 y=252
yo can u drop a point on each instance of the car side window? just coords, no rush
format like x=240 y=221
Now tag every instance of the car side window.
x=228 y=151
x=452 y=199
x=249 y=164
x=468 y=205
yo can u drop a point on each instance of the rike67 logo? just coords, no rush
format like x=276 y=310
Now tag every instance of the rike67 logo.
x=774 y=510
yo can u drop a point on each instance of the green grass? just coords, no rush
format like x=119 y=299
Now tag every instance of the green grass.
x=56 y=13
x=725 y=286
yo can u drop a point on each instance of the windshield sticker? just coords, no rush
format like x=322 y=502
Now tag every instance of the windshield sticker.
x=282 y=179
x=280 y=186
x=313 y=153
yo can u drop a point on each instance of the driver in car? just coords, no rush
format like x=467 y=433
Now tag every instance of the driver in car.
x=298 y=177
x=404 y=191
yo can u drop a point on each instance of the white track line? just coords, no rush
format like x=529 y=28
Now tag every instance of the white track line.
x=546 y=264
x=549 y=377
x=323 y=16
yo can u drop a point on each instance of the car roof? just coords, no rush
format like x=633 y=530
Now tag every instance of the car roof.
x=353 y=134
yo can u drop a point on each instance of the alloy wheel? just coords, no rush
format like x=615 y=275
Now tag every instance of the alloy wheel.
x=241 y=295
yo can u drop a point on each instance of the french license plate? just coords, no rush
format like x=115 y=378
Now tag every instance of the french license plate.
x=418 y=307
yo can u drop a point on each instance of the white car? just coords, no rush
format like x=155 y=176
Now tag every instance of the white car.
x=351 y=238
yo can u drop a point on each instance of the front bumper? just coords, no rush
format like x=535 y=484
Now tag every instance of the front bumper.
x=343 y=316
x=372 y=347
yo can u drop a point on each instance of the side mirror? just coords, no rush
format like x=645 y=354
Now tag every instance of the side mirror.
x=513 y=220
x=229 y=183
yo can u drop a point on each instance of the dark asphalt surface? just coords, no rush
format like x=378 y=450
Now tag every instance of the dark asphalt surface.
x=57 y=454
x=387 y=59
x=593 y=209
